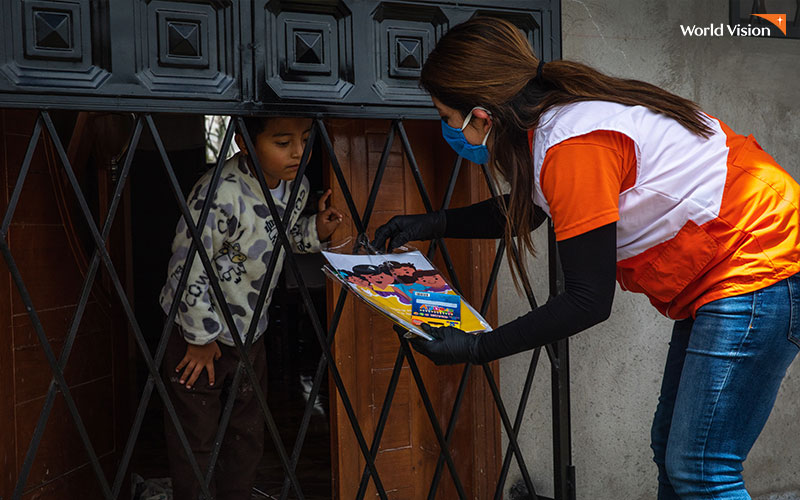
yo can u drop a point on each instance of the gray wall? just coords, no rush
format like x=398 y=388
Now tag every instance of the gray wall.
x=752 y=85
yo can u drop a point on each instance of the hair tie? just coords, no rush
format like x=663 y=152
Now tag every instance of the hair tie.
x=538 y=76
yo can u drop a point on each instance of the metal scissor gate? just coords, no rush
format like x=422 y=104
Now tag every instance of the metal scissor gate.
x=323 y=59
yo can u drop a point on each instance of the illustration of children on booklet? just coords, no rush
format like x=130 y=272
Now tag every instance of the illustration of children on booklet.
x=394 y=287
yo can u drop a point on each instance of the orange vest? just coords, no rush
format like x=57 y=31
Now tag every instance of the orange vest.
x=697 y=219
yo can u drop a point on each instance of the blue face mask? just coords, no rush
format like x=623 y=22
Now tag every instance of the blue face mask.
x=455 y=138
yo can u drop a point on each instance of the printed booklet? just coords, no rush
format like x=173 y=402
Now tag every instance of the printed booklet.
x=406 y=288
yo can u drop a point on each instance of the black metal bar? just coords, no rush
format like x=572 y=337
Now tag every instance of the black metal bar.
x=487 y=296
x=337 y=170
x=160 y=349
x=560 y=371
x=117 y=284
x=214 y=282
x=23 y=173
x=462 y=384
x=334 y=323
x=426 y=401
x=152 y=363
x=448 y=195
x=562 y=442
x=451 y=186
x=451 y=426
x=515 y=252
x=189 y=102
x=557 y=353
x=512 y=440
x=384 y=416
x=525 y=284
x=316 y=326
x=426 y=200
x=262 y=296
x=487 y=370
x=376 y=183
x=523 y=403
x=562 y=431
x=153 y=378
x=100 y=250
x=58 y=375
x=91 y=273
x=498 y=260
x=444 y=440
x=315 y=387
x=201 y=222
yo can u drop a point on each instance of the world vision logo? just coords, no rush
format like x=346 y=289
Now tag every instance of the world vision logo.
x=778 y=20
x=719 y=30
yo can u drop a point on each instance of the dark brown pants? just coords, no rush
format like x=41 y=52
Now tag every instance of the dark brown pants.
x=199 y=410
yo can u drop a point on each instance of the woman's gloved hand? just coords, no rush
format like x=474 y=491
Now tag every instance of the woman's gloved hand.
x=450 y=345
x=404 y=228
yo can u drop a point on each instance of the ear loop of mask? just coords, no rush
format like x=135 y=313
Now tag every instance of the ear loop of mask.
x=469 y=117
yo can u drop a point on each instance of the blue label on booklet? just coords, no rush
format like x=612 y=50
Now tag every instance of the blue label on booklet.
x=436 y=309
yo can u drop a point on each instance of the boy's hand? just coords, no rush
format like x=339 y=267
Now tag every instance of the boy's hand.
x=196 y=359
x=328 y=218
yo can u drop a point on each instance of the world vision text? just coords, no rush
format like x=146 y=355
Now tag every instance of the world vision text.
x=719 y=30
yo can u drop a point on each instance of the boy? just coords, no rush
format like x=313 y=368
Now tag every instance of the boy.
x=201 y=358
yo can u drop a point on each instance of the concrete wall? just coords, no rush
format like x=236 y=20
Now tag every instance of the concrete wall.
x=753 y=85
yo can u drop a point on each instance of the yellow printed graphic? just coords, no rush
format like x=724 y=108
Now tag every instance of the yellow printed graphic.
x=469 y=323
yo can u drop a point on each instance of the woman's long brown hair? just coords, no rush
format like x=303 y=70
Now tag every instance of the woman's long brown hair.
x=488 y=62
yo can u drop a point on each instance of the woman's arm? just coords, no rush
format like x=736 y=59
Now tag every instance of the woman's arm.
x=484 y=219
x=589 y=264
x=581 y=179
x=481 y=220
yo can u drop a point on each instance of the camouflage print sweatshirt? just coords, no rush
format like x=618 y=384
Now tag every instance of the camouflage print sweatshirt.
x=239 y=237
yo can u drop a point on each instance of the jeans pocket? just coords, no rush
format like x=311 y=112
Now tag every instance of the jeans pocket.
x=794 y=323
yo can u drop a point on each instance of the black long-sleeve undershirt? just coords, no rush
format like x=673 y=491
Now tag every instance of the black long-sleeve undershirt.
x=589 y=265
x=485 y=219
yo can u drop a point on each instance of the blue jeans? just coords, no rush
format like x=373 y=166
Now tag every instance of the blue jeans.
x=721 y=378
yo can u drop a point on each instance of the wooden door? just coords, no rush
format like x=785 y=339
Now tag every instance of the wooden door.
x=47 y=240
x=365 y=346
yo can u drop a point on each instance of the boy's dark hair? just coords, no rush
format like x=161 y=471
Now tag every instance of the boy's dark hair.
x=255 y=125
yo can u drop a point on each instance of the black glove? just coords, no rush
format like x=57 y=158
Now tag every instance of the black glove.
x=450 y=345
x=404 y=228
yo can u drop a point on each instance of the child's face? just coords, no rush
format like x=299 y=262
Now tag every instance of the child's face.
x=435 y=281
x=381 y=279
x=279 y=147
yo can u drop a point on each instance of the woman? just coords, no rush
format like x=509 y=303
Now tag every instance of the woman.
x=643 y=187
